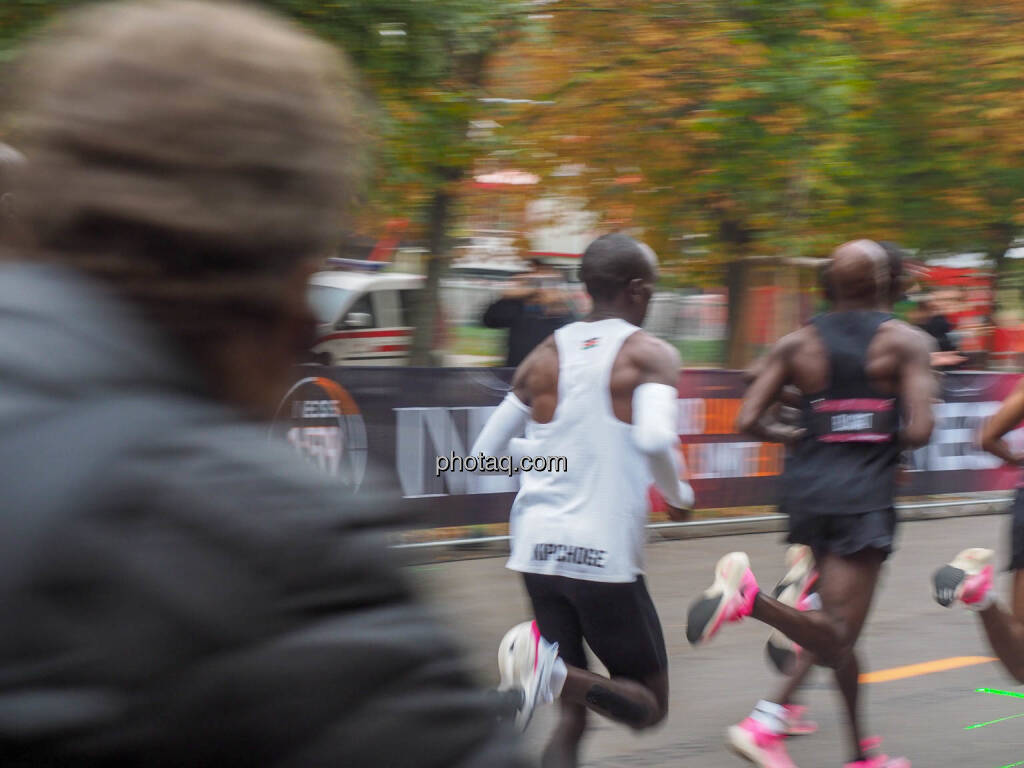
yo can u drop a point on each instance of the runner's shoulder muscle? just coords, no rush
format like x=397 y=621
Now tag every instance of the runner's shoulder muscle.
x=654 y=360
x=537 y=375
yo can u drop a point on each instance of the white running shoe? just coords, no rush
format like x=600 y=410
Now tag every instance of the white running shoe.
x=794 y=589
x=729 y=599
x=968 y=578
x=525 y=661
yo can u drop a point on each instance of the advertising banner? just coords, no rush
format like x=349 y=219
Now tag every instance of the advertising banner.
x=386 y=428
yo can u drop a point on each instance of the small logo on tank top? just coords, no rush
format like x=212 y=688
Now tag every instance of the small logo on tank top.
x=590 y=343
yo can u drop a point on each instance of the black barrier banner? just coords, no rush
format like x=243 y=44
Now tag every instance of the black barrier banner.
x=384 y=429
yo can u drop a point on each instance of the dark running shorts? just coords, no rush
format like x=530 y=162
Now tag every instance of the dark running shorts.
x=845 y=535
x=1017 y=532
x=618 y=621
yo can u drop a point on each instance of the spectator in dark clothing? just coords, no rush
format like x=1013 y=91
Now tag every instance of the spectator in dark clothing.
x=927 y=317
x=531 y=310
x=175 y=589
x=939 y=327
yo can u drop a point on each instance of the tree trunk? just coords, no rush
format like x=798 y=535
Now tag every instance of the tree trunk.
x=426 y=315
x=737 y=278
x=997 y=252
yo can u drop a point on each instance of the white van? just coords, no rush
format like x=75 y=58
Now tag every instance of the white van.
x=363 y=317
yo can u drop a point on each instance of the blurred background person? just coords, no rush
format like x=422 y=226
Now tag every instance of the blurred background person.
x=176 y=589
x=532 y=309
x=928 y=316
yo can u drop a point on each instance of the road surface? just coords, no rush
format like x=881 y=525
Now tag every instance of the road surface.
x=921 y=713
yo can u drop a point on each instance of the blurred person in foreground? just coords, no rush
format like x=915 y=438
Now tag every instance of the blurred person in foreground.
x=177 y=590
x=533 y=308
x=603 y=393
x=12 y=164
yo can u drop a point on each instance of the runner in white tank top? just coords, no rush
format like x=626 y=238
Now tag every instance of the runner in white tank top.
x=601 y=393
x=588 y=522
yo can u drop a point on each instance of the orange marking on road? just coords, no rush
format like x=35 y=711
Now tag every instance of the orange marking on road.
x=925 y=668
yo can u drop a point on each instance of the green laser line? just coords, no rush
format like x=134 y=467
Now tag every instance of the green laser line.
x=1012 y=765
x=992 y=722
x=997 y=692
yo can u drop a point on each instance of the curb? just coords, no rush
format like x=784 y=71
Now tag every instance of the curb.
x=497 y=546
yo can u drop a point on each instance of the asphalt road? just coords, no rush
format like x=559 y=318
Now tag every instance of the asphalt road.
x=923 y=717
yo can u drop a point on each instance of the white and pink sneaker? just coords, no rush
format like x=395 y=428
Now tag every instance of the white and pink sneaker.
x=794 y=589
x=878 y=761
x=526 y=662
x=968 y=578
x=796 y=722
x=730 y=598
x=759 y=744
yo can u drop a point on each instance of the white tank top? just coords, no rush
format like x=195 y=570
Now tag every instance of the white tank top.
x=587 y=522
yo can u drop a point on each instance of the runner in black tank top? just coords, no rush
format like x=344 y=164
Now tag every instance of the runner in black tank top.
x=798 y=587
x=968 y=579
x=840 y=477
x=847 y=432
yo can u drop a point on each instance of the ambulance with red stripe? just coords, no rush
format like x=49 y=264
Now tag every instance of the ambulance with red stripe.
x=364 y=315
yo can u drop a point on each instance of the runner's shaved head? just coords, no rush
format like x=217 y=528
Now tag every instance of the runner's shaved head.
x=860 y=272
x=612 y=261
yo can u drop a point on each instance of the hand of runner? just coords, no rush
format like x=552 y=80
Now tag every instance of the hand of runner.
x=776 y=432
x=943 y=359
x=677 y=514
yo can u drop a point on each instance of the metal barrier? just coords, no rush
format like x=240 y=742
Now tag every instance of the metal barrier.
x=706 y=523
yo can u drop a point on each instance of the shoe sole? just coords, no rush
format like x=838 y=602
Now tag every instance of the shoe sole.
x=945 y=583
x=740 y=743
x=947 y=580
x=706 y=610
x=805 y=732
x=506 y=659
x=530 y=696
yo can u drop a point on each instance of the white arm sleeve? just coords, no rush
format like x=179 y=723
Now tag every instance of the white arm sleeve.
x=655 y=413
x=508 y=420
x=655 y=432
x=666 y=467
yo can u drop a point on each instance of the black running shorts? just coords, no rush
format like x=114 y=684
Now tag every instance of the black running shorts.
x=845 y=535
x=1017 y=532
x=618 y=621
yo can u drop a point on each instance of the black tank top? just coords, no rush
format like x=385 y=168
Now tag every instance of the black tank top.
x=846 y=463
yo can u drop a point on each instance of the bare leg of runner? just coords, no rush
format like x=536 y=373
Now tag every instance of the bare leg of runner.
x=796 y=678
x=847 y=587
x=563 y=749
x=968 y=579
x=1006 y=631
x=638 y=705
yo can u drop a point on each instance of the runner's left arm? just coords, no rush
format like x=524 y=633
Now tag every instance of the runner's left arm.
x=510 y=418
x=772 y=376
x=1002 y=421
x=508 y=421
x=917 y=391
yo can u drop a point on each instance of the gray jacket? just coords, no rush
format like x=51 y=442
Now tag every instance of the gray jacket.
x=176 y=590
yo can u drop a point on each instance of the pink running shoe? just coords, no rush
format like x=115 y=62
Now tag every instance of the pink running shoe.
x=730 y=598
x=759 y=745
x=878 y=761
x=796 y=724
x=967 y=579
